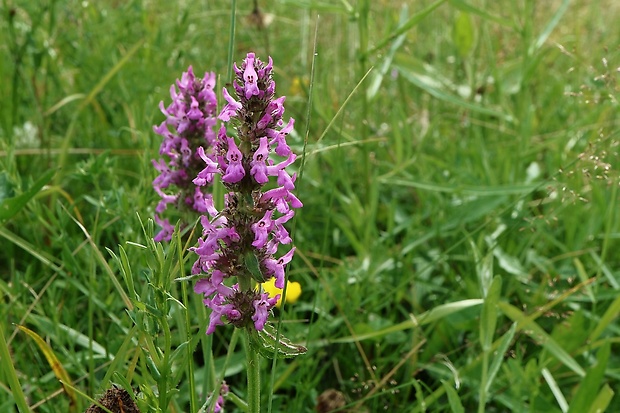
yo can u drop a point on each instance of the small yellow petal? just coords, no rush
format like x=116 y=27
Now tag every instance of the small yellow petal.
x=293 y=291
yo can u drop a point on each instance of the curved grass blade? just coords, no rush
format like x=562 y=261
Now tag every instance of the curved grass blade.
x=6 y=363
x=59 y=370
x=427 y=317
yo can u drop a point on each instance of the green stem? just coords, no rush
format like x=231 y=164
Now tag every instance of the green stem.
x=253 y=369
x=165 y=371
x=483 y=382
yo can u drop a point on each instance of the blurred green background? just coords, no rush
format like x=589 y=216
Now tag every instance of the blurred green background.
x=449 y=143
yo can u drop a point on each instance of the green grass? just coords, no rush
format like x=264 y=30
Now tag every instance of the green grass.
x=457 y=245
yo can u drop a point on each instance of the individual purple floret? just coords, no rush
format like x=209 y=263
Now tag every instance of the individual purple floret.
x=242 y=239
x=188 y=139
x=219 y=402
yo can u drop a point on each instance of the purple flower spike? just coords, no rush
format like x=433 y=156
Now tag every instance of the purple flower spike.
x=189 y=122
x=250 y=150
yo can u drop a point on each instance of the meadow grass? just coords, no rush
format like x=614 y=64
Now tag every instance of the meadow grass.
x=456 y=248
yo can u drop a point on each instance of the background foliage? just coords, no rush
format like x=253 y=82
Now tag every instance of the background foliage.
x=460 y=182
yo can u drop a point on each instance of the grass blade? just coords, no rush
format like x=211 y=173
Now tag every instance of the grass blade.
x=453 y=398
x=6 y=363
x=602 y=400
x=427 y=317
x=608 y=317
x=544 y=35
x=499 y=355
x=587 y=391
x=532 y=329
x=555 y=389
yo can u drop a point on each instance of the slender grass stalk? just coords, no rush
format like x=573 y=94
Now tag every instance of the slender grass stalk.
x=231 y=40
x=11 y=375
x=363 y=21
x=188 y=328
x=482 y=399
x=301 y=173
x=91 y=330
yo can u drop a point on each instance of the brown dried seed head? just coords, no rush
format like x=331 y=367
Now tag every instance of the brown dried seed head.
x=116 y=400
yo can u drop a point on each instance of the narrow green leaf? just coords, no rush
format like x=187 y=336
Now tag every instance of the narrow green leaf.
x=611 y=279
x=252 y=264
x=499 y=355
x=125 y=384
x=555 y=389
x=11 y=206
x=587 y=391
x=178 y=352
x=551 y=24
x=103 y=262
x=122 y=355
x=453 y=398
x=490 y=191
x=488 y=317
x=583 y=277
x=610 y=315
x=427 y=317
x=10 y=374
x=92 y=401
x=484 y=268
x=378 y=75
x=153 y=369
x=602 y=400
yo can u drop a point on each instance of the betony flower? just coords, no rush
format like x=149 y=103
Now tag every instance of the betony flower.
x=261 y=229
x=259 y=169
x=239 y=244
x=276 y=267
x=234 y=171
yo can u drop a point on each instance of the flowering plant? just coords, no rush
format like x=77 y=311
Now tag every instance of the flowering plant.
x=238 y=249
x=242 y=240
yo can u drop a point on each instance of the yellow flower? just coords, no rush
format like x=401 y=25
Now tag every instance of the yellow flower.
x=293 y=291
